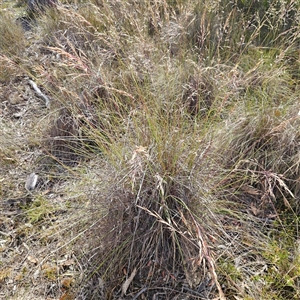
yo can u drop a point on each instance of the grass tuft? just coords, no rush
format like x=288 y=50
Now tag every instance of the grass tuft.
x=167 y=155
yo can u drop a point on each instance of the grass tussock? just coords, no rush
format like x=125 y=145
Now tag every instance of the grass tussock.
x=167 y=159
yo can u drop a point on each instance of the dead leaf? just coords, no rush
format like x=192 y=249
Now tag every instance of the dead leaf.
x=68 y=262
x=67 y=282
x=254 y=209
x=126 y=284
x=67 y=296
x=32 y=259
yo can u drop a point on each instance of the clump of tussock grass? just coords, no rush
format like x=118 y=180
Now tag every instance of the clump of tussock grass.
x=12 y=41
x=150 y=120
x=199 y=95
x=270 y=164
x=261 y=171
x=156 y=190
x=63 y=137
x=211 y=28
x=277 y=21
x=12 y=47
x=162 y=202
x=152 y=227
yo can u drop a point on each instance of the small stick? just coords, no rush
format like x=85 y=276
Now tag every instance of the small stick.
x=39 y=93
x=139 y=293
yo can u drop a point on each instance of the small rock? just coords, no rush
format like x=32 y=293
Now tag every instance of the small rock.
x=31 y=182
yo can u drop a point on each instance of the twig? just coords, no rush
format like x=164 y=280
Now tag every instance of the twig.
x=192 y=292
x=140 y=293
x=39 y=93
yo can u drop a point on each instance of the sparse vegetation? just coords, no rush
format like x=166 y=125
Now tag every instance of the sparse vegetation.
x=168 y=159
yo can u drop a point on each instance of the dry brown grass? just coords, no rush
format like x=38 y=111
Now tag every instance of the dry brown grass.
x=168 y=158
